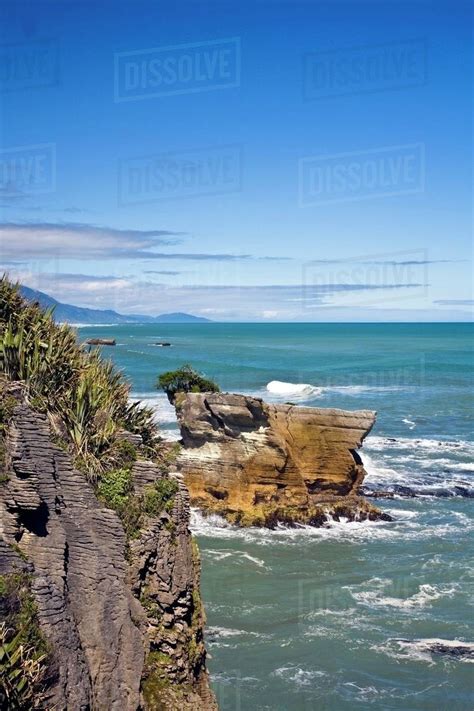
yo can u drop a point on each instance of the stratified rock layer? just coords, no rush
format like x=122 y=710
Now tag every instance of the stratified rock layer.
x=260 y=463
x=108 y=613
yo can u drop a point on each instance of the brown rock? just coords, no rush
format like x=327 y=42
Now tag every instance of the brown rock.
x=259 y=463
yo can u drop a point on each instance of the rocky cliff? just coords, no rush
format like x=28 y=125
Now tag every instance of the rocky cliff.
x=258 y=463
x=122 y=618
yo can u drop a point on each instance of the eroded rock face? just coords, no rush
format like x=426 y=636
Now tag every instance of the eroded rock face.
x=259 y=463
x=106 y=635
x=165 y=577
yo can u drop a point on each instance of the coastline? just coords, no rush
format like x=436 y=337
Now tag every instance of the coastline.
x=281 y=604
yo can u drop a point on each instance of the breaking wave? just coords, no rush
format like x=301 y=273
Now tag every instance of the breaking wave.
x=419 y=467
x=407 y=526
x=306 y=391
x=377 y=597
x=277 y=387
x=429 y=649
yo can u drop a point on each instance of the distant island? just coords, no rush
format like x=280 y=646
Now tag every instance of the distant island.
x=68 y=313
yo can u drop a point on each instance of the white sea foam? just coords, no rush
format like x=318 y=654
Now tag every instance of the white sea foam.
x=378 y=472
x=305 y=390
x=238 y=557
x=339 y=624
x=398 y=463
x=226 y=632
x=281 y=389
x=233 y=638
x=423 y=445
x=369 y=694
x=299 y=676
x=215 y=526
x=257 y=561
x=216 y=554
x=422 y=650
x=406 y=528
x=377 y=597
x=462 y=466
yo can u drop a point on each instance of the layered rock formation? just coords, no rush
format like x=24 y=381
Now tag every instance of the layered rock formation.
x=258 y=463
x=123 y=619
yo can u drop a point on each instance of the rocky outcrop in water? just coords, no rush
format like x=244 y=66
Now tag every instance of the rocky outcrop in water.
x=123 y=619
x=446 y=647
x=259 y=463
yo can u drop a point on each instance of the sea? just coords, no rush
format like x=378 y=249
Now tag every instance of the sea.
x=351 y=615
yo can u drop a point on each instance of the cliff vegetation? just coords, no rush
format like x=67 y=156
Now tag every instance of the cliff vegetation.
x=99 y=576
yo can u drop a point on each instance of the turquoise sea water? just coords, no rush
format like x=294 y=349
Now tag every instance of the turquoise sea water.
x=340 y=617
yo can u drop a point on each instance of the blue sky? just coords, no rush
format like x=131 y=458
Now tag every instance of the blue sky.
x=252 y=212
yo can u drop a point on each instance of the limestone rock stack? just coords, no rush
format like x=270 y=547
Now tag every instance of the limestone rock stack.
x=259 y=463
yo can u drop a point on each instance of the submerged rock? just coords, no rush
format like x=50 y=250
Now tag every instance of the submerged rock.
x=101 y=342
x=259 y=463
x=399 y=491
x=445 y=647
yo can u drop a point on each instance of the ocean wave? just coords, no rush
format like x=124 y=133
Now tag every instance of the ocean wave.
x=228 y=632
x=428 y=650
x=237 y=556
x=377 y=471
x=231 y=638
x=370 y=694
x=302 y=390
x=306 y=391
x=378 y=598
x=418 y=527
x=422 y=445
x=214 y=526
x=410 y=477
x=299 y=676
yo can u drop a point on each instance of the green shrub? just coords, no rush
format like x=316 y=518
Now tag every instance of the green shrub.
x=159 y=496
x=115 y=488
x=185 y=380
x=88 y=396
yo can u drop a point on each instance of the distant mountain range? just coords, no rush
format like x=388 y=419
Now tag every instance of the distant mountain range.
x=78 y=314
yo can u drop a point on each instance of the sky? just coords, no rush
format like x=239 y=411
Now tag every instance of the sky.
x=243 y=161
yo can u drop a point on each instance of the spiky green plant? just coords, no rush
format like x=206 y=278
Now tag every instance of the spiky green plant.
x=88 y=395
x=21 y=673
x=24 y=652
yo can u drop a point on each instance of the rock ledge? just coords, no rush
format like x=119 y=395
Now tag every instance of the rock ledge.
x=260 y=464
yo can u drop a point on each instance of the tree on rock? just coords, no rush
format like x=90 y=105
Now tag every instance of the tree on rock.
x=185 y=380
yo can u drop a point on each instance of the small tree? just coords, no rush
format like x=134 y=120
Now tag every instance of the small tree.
x=185 y=380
